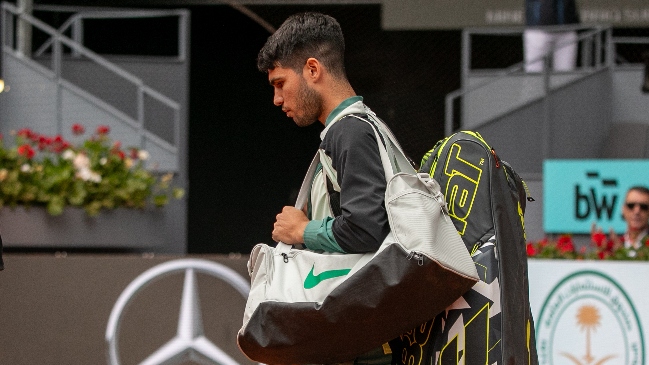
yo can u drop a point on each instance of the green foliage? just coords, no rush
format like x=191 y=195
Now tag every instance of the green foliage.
x=95 y=174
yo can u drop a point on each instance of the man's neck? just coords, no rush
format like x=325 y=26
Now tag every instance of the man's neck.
x=634 y=234
x=339 y=93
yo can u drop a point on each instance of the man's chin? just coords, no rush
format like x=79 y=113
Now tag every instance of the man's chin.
x=301 y=122
x=638 y=227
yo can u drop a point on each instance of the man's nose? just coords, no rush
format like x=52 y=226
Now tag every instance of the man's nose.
x=278 y=100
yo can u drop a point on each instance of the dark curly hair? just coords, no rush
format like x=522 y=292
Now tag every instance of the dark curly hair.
x=302 y=36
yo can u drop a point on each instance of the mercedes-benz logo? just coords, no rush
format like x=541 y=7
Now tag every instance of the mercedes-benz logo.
x=190 y=343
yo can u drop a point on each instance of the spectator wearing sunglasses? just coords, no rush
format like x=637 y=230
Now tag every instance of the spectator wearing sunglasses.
x=636 y=214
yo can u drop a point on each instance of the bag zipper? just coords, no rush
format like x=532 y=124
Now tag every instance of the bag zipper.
x=416 y=255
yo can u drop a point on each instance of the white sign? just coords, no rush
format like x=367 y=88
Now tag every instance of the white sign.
x=590 y=312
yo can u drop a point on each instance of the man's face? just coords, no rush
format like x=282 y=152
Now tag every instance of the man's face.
x=636 y=210
x=296 y=98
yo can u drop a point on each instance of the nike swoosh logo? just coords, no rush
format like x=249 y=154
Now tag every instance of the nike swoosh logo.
x=312 y=280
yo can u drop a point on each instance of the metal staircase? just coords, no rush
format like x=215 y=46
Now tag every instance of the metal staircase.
x=63 y=83
x=553 y=114
x=549 y=113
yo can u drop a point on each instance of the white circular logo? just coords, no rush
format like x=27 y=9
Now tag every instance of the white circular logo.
x=589 y=319
x=190 y=341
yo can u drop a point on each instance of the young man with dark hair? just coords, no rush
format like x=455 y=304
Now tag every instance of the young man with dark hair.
x=304 y=60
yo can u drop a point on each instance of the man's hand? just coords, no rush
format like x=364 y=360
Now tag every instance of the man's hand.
x=289 y=226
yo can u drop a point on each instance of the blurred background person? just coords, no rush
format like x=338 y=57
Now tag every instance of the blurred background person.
x=539 y=42
x=636 y=214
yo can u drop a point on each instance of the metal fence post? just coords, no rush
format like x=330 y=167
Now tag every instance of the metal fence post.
x=3 y=24
x=610 y=49
x=24 y=30
x=140 y=114
x=77 y=35
x=56 y=66
x=547 y=109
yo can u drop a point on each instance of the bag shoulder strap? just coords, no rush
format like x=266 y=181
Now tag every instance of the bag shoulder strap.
x=399 y=161
x=302 y=196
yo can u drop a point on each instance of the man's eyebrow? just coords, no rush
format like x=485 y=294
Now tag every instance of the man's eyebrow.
x=274 y=80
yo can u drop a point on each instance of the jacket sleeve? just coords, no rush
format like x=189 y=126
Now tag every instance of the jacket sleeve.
x=363 y=224
x=318 y=236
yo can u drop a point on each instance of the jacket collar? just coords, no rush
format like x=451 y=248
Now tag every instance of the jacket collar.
x=350 y=105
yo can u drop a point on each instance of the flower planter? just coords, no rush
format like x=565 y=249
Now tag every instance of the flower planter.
x=150 y=230
x=95 y=171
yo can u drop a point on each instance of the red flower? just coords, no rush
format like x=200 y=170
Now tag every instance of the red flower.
x=44 y=142
x=598 y=238
x=602 y=255
x=103 y=130
x=59 y=144
x=646 y=243
x=564 y=244
x=27 y=133
x=78 y=129
x=134 y=153
x=58 y=148
x=26 y=150
x=118 y=153
x=531 y=251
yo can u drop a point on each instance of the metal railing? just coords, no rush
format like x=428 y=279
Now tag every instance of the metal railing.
x=597 y=53
x=11 y=14
x=642 y=41
x=75 y=25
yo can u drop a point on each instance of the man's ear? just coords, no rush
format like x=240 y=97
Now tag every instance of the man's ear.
x=312 y=69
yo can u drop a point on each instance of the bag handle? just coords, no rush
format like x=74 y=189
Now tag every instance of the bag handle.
x=301 y=197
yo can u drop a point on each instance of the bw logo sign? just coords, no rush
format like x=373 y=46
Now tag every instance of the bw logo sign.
x=593 y=205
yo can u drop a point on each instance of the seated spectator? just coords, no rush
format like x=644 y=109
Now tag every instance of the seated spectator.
x=636 y=214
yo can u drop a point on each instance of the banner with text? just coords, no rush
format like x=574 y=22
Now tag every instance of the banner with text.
x=456 y=14
x=578 y=193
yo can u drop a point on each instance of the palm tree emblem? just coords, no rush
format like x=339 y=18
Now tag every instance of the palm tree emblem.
x=588 y=319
